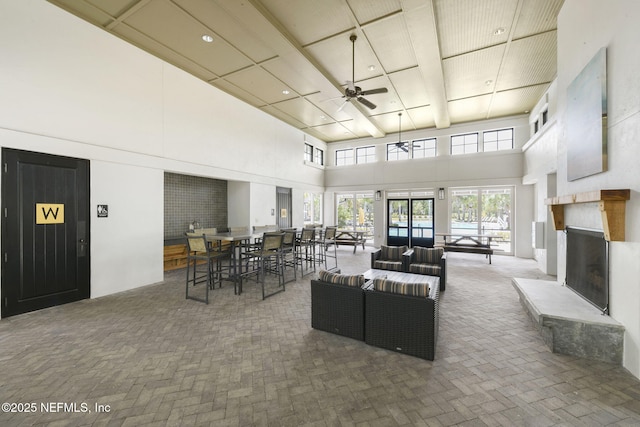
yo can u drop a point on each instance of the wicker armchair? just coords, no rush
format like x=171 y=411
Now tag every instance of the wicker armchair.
x=388 y=258
x=429 y=261
x=404 y=323
x=337 y=304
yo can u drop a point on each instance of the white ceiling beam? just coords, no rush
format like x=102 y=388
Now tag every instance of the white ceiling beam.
x=421 y=23
x=371 y=126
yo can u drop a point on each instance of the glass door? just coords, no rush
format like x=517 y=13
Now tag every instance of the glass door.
x=421 y=223
x=410 y=222
x=398 y=222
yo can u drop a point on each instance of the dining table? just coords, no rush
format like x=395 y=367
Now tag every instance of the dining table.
x=237 y=240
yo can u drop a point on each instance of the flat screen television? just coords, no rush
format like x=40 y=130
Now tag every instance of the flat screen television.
x=588 y=266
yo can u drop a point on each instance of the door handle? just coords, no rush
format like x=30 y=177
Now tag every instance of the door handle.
x=82 y=245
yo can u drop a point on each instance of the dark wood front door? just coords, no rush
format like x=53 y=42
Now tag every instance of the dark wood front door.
x=45 y=231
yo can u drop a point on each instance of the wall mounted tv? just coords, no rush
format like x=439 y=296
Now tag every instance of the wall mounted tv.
x=588 y=266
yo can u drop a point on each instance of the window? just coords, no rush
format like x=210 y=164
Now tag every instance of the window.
x=365 y=154
x=421 y=148
x=545 y=115
x=535 y=126
x=308 y=152
x=483 y=211
x=312 y=208
x=344 y=157
x=498 y=140
x=318 y=156
x=355 y=212
x=313 y=154
x=462 y=144
x=395 y=152
x=417 y=149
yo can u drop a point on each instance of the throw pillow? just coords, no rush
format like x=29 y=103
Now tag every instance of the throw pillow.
x=392 y=286
x=428 y=255
x=392 y=253
x=341 y=279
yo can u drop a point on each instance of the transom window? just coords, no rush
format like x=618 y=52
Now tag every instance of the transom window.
x=398 y=151
x=366 y=154
x=416 y=149
x=421 y=148
x=344 y=157
x=498 y=140
x=308 y=152
x=463 y=144
x=313 y=154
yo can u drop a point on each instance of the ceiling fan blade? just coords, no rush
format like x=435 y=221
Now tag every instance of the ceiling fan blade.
x=342 y=106
x=366 y=103
x=374 y=91
x=403 y=148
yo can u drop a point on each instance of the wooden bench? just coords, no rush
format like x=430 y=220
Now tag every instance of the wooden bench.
x=175 y=257
x=476 y=244
x=353 y=238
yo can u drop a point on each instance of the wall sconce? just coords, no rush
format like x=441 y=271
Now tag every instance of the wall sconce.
x=378 y=195
x=441 y=193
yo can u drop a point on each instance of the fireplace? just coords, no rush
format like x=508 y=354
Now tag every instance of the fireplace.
x=587 y=270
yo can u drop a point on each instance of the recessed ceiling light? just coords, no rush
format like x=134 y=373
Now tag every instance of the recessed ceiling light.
x=207 y=38
x=488 y=82
x=499 y=31
x=286 y=92
x=372 y=67
x=323 y=117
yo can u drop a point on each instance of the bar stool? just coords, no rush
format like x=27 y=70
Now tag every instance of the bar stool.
x=198 y=253
x=269 y=259
x=329 y=239
x=306 y=251
x=289 y=250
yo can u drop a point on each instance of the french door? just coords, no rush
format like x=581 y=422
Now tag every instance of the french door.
x=410 y=222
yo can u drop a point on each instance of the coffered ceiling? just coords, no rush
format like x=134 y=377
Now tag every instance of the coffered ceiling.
x=442 y=61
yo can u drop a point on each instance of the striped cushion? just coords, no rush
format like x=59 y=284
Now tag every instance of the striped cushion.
x=428 y=269
x=428 y=255
x=388 y=265
x=341 y=279
x=392 y=253
x=412 y=289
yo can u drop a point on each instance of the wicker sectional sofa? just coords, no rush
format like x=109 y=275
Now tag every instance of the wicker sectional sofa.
x=383 y=313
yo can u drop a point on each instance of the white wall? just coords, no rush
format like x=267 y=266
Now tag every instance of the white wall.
x=584 y=26
x=540 y=167
x=130 y=239
x=71 y=89
x=263 y=202
x=445 y=170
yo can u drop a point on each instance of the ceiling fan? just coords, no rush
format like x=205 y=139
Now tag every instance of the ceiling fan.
x=353 y=91
x=400 y=144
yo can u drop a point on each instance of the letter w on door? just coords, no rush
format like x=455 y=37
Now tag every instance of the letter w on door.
x=49 y=213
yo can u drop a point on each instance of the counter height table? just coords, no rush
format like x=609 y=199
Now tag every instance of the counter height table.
x=237 y=240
